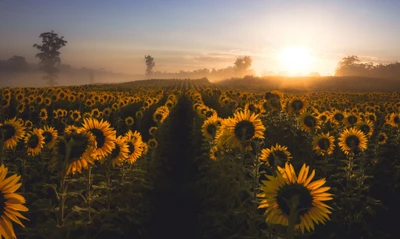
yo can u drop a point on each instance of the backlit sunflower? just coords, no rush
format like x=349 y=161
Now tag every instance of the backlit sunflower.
x=11 y=203
x=287 y=191
x=237 y=132
x=382 y=138
x=297 y=105
x=323 y=144
x=352 y=141
x=50 y=136
x=210 y=127
x=120 y=153
x=34 y=142
x=12 y=130
x=275 y=156
x=274 y=101
x=105 y=136
x=308 y=122
x=129 y=121
x=337 y=117
x=351 y=119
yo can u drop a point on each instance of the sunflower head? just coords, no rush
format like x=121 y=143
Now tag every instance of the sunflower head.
x=323 y=144
x=352 y=141
x=34 y=142
x=275 y=156
x=11 y=131
x=288 y=193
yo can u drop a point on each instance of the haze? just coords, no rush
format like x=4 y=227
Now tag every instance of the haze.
x=189 y=35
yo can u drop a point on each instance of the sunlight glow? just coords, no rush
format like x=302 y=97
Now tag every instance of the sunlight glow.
x=295 y=60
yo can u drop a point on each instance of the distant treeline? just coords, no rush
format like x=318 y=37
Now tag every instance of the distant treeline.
x=352 y=66
x=312 y=84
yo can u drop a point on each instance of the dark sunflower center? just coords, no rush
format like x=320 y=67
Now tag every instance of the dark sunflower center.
x=323 y=118
x=80 y=145
x=115 y=152
x=100 y=138
x=297 y=105
x=33 y=141
x=42 y=114
x=365 y=128
x=2 y=203
x=352 y=119
x=371 y=117
x=9 y=131
x=324 y=143
x=275 y=103
x=252 y=108
x=209 y=113
x=396 y=119
x=4 y=102
x=131 y=147
x=339 y=116
x=48 y=137
x=287 y=192
x=244 y=130
x=309 y=121
x=352 y=141
x=158 y=117
x=152 y=144
x=211 y=129
x=277 y=158
x=75 y=115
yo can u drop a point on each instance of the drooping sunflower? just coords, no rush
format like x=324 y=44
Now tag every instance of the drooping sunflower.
x=120 y=153
x=129 y=121
x=323 y=144
x=308 y=122
x=34 y=142
x=275 y=156
x=237 y=132
x=288 y=191
x=11 y=203
x=13 y=131
x=210 y=127
x=160 y=114
x=352 y=141
x=216 y=153
x=382 y=138
x=105 y=136
x=50 y=136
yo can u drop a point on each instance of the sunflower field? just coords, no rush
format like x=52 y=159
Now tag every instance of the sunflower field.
x=194 y=159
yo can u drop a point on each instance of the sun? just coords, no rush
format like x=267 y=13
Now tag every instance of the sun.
x=295 y=59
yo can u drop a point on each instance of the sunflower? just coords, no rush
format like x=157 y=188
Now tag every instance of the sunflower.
x=216 y=153
x=152 y=143
x=352 y=140
x=95 y=113
x=12 y=130
x=160 y=114
x=287 y=191
x=139 y=114
x=309 y=122
x=297 y=105
x=50 y=136
x=75 y=115
x=351 y=119
x=323 y=144
x=274 y=101
x=11 y=203
x=129 y=121
x=107 y=111
x=275 y=156
x=43 y=114
x=382 y=138
x=237 y=132
x=70 y=129
x=337 y=117
x=34 y=142
x=366 y=127
x=105 y=136
x=394 y=120
x=153 y=131
x=82 y=145
x=21 y=108
x=28 y=124
x=120 y=153
x=210 y=127
x=135 y=144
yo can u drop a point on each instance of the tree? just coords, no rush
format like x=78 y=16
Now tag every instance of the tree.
x=17 y=63
x=50 y=55
x=149 y=64
x=242 y=65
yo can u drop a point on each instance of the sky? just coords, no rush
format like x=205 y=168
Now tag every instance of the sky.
x=188 y=35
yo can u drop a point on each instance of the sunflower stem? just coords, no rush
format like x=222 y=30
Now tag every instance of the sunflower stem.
x=294 y=202
x=89 y=193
